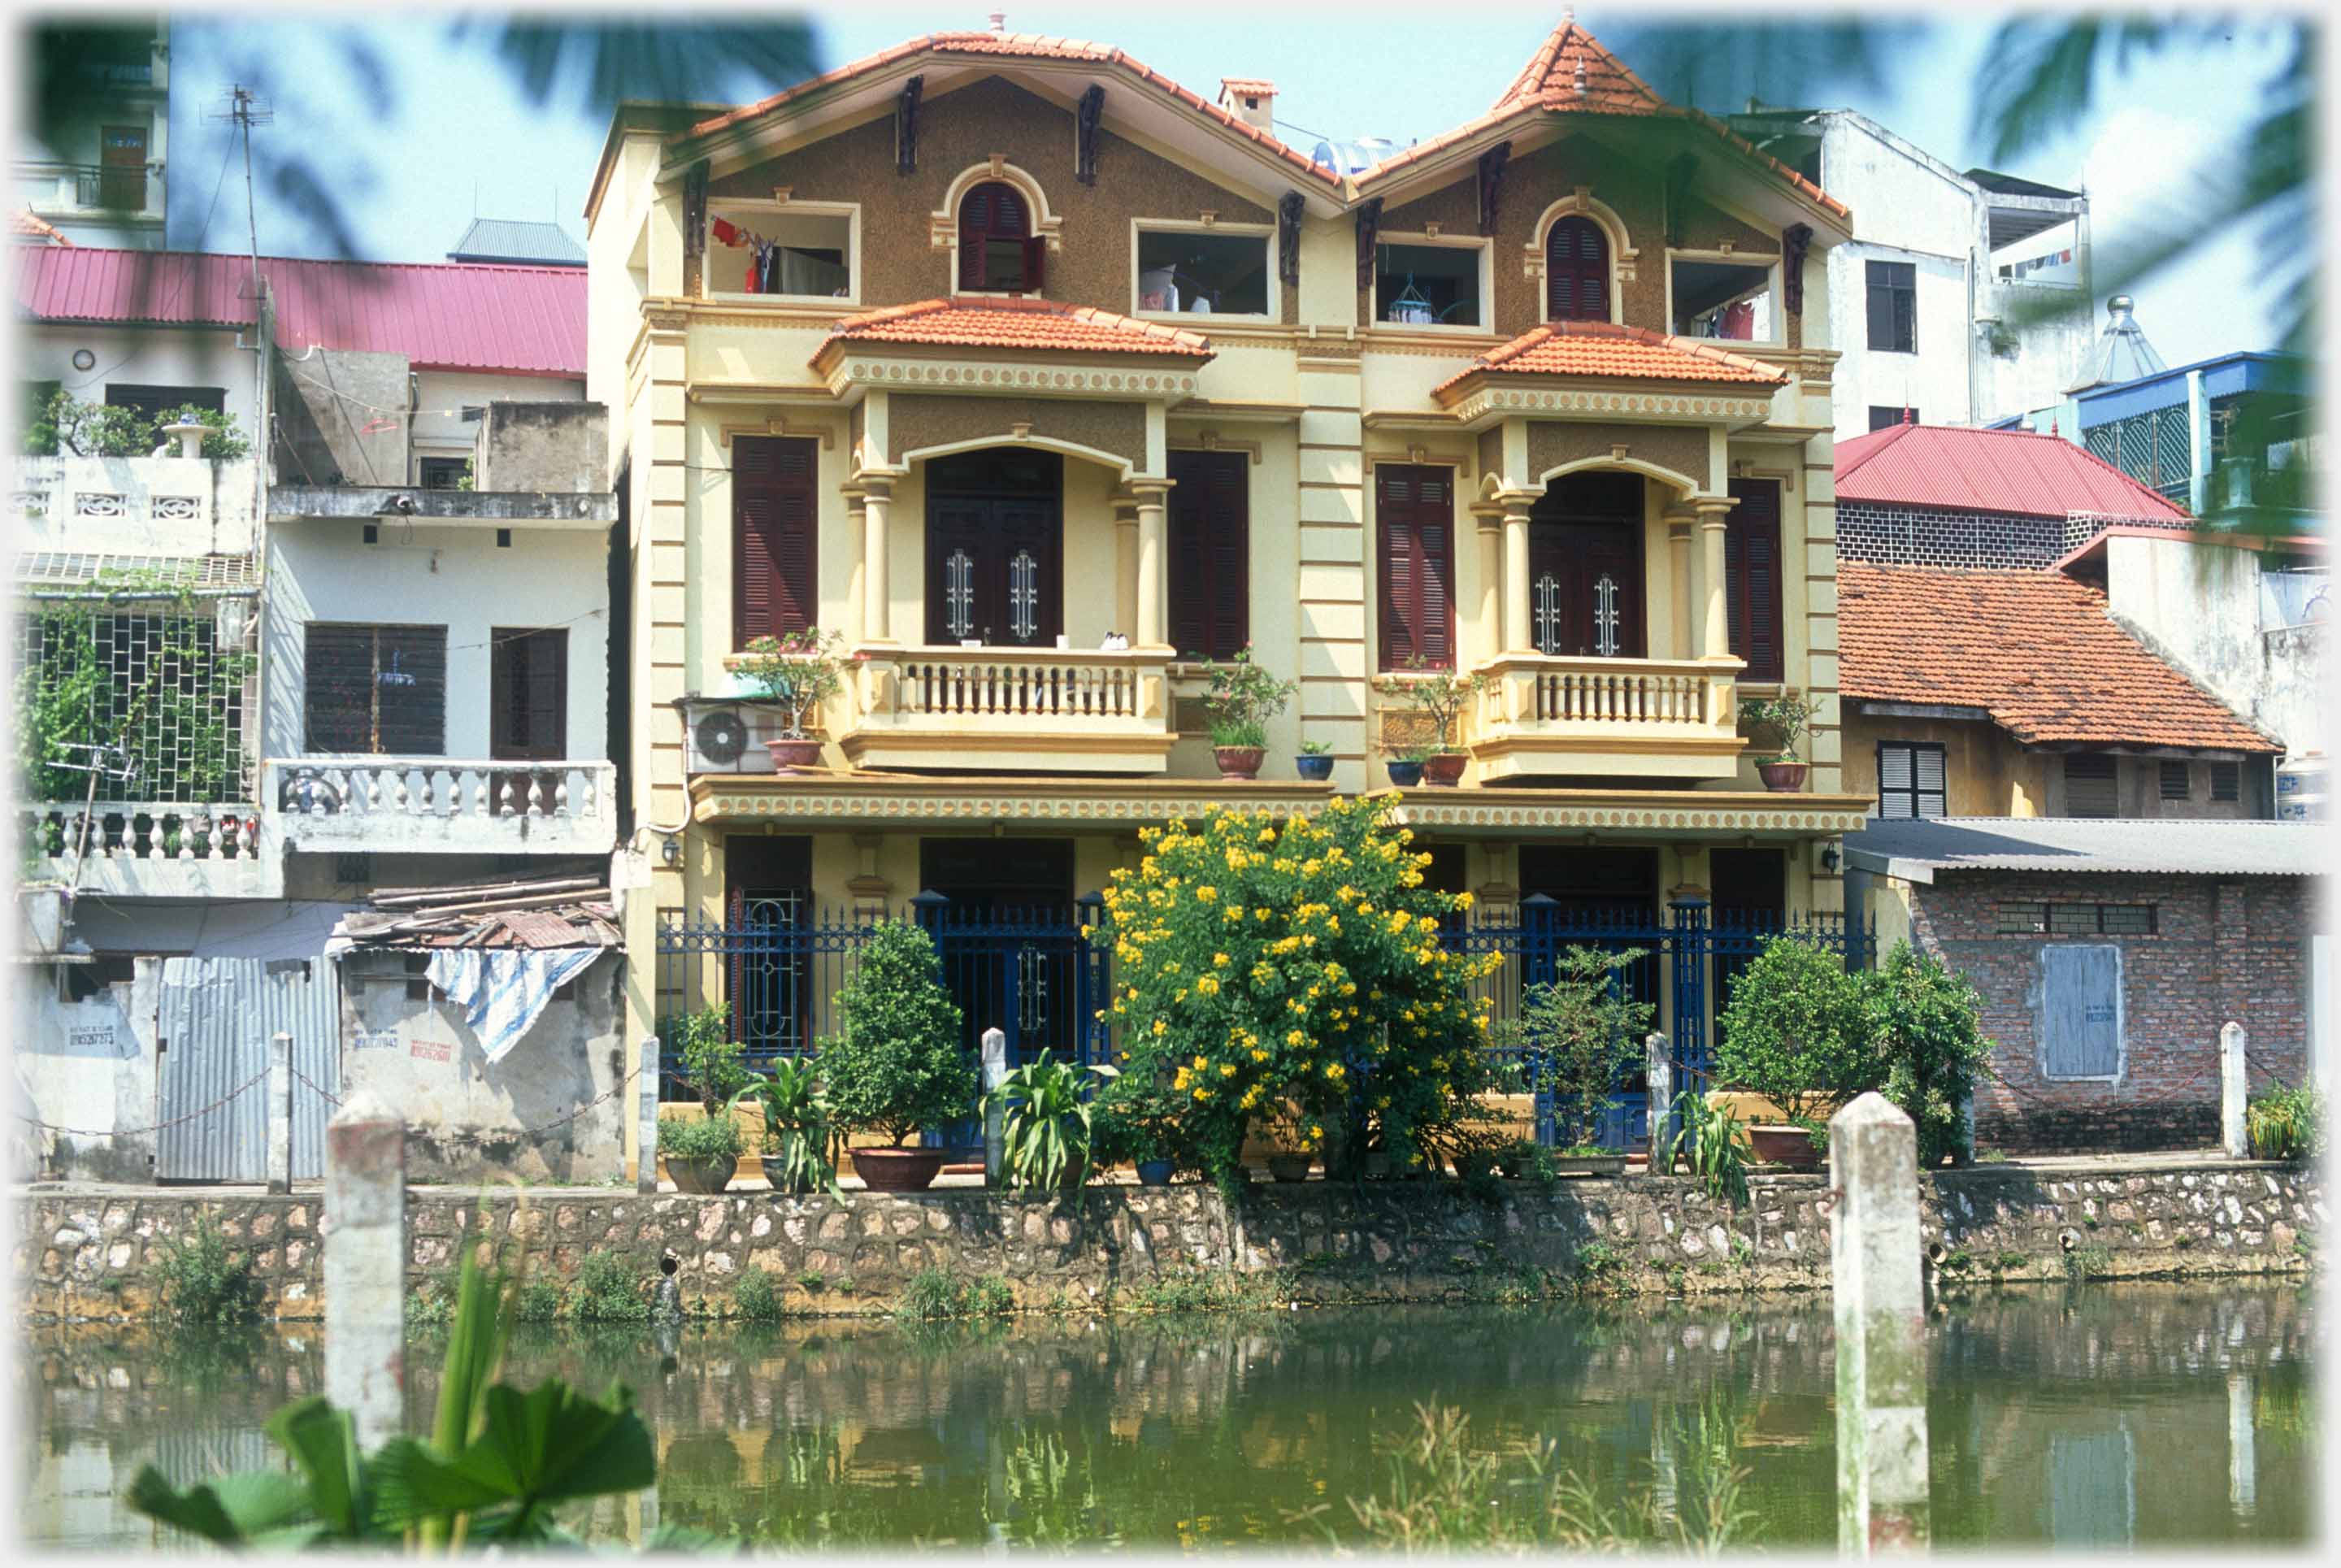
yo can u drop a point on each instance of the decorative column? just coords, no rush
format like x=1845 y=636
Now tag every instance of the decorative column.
x=1679 y=526
x=877 y=498
x=1125 y=566
x=1153 y=562
x=1715 y=635
x=1517 y=636
x=1488 y=623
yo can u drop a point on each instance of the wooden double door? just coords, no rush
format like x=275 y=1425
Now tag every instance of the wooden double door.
x=995 y=548
x=1585 y=568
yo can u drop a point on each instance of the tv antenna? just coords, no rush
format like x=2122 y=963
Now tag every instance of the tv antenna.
x=244 y=109
x=99 y=762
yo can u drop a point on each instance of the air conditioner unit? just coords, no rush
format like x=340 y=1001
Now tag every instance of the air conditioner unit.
x=724 y=736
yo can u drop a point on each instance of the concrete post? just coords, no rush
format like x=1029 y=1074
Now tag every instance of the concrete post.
x=1714 y=625
x=877 y=593
x=1660 y=1060
x=1881 y=1330
x=280 y=1113
x=1153 y=565
x=995 y=1073
x=365 y=1229
x=2243 y=1454
x=2234 y=1091
x=1125 y=569
x=646 y=1118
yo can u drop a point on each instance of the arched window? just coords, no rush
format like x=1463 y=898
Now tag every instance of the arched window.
x=998 y=251
x=1577 y=271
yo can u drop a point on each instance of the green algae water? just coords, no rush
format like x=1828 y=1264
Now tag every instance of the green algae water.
x=2129 y=1415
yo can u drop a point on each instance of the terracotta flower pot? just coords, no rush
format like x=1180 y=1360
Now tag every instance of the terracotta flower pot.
x=898 y=1170
x=1784 y=1145
x=1444 y=769
x=1290 y=1167
x=1239 y=762
x=702 y=1175
x=1782 y=778
x=1403 y=774
x=794 y=756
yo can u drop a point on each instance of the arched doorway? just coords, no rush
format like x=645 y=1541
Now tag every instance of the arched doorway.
x=1585 y=567
x=995 y=548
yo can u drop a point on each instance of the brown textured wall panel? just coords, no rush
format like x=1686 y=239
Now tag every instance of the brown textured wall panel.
x=916 y=420
x=1552 y=443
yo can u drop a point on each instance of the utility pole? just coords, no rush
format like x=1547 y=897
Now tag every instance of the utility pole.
x=245 y=110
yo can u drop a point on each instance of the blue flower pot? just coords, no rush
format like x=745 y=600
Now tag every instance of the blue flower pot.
x=1315 y=769
x=1404 y=774
x=1153 y=1172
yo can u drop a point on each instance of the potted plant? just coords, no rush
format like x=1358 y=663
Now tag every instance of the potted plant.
x=1583 y=1032
x=1047 y=1134
x=1134 y=1121
x=1295 y=1138
x=1243 y=697
x=1405 y=766
x=703 y=1154
x=796 y=1125
x=1793 y=1031
x=897 y=1068
x=1438 y=696
x=1315 y=762
x=1780 y=720
x=799 y=672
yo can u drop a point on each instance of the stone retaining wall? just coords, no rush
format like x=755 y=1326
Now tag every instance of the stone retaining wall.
x=95 y=1252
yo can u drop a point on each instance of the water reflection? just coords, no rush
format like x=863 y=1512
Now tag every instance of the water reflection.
x=2073 y=1416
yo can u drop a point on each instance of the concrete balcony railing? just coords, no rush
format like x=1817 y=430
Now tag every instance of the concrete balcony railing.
x=390 y=806
x=1012 y=709
x=1614 y=718
x=152 y=849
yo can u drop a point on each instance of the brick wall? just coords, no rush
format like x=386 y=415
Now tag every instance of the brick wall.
x=2221 y=950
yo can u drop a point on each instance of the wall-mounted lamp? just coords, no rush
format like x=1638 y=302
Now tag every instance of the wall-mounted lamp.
x=1829 y=858
x=84 y=360
x=671 y=850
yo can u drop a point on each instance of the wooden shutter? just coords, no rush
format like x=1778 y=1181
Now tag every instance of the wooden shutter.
x=2080 y=1011
x=1577 y=271
x=1414 y=508
x=1751 y=576
x=775 y=530
x=1910 y=780
x=2091 y=787
x=1036 y=264
x=1210 y=529
x=529 y=695
x=995 y=211
x=377 y=691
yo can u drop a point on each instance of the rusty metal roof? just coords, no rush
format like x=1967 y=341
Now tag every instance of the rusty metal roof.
x=546 y=914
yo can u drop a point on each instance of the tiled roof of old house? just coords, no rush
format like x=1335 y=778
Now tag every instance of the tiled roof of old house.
x=1018 y=324
x=27 y=225
x=1599 y=348
x=513 y=320
x=2002 y=472
x=2034 y=650
x=552 y=913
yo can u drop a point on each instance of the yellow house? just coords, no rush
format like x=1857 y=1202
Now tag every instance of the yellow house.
x=1044 y=380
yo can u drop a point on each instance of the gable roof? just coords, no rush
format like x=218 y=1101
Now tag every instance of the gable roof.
x=2005 y=472
x=518 y=321
x=2034 y=650
x=1018 y=323
x=1016 y=47
x=509 y=240
x=27 y=225
x=1599 y=348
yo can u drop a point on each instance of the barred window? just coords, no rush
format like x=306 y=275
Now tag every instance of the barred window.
x=2022 y=918
x=377 y=690
x=2086 y=919
x=157 y=683
x=2226 y=780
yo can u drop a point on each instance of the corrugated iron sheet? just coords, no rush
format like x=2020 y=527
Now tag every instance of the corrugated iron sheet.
x=519 y=320
x=216 y=1017
x=2009 y=472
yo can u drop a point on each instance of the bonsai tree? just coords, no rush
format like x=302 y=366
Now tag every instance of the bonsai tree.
x=1795 y=1030
x=1242 y=698
x=1586 y=1030
x=898 y=1068
x=711 y=1066
x=1438 y=695
x=801 y=672
x=1778 y=721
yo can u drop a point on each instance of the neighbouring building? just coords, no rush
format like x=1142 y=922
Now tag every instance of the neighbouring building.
x=2108 y=955
x=515 y=243
x=1962 y=295
x=104 y=176
x=1045 y=380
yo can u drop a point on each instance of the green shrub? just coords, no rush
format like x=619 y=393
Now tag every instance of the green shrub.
x=202 y=1282
x=537 y=1300
x=898 y=1068
x=1045 y=1128
x=1796 y=1032
x=1585 y=1031
x=711 y=1056
x=1526 y=1160
x=796 y=1125
x=2286 y=1123
x=610 y=1289
x=1925 y=1024
x=715 y=1137
x=756 y=1297
x=1716 y=1145
x=67 y=425
x=932 y=1296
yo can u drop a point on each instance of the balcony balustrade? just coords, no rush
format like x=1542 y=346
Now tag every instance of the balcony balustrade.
x=151 y=849
x=1016 y=710
x=437 y=805
x=1615 y=718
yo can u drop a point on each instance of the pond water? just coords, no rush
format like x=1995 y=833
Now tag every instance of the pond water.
x=2088 y=1415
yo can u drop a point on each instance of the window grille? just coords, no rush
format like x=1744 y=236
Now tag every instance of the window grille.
x=168 y=673
x=2022 y=919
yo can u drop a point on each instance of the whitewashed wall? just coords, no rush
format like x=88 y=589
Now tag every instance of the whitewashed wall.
x=142 y=356
x=439 y=429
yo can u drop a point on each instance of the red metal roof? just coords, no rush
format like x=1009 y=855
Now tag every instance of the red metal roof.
x=1599 y=348
x=2008 y=472
x=1013 y=324
x=517 y=319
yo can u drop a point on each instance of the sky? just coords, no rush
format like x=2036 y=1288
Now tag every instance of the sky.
x=453 y=135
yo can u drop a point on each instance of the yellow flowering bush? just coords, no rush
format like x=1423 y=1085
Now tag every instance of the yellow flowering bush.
x=1290 y=974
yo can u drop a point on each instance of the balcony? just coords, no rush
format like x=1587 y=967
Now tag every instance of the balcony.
x=91 y=191
x=1012 y=710
x=151 y=849
x=436 y=805
x=1607 y=718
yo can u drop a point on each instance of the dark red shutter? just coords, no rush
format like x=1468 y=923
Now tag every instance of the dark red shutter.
x=1751 y=576
x=1211 y=527
x=1577 y=271
x=775 y=528
x=993 y=211
x=1414 y=508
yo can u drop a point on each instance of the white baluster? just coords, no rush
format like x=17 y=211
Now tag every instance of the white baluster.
x=188 y=830
x=157 y=847
x=401 y=792
x=535 y=795
x=504 y=800
x=560 y=806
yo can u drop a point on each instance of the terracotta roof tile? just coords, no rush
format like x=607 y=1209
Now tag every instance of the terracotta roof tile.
x=1026 y=46
x=2008 y=472
x=1594 y=348
x=2034 y=649
x=1025 y=323
x=25 y=223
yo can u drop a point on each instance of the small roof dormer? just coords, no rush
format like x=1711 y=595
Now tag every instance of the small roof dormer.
x=1248 y=99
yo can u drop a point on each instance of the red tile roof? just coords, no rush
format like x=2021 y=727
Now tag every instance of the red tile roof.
x=1597 y=348
x=1018 y=324
x=2034 y=649
x=1023 y=46
x=27 y=224
x=517 y=319
x=2008 y=472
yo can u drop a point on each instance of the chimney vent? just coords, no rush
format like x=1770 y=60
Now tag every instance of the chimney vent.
x=1251 y=101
